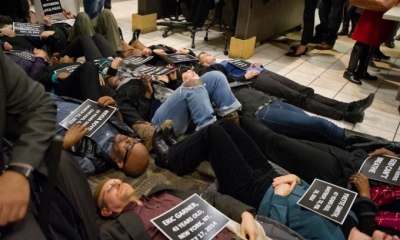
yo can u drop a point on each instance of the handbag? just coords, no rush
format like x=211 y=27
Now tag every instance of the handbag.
x=374 y=5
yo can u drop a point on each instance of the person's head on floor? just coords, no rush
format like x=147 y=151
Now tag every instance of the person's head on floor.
x=130 y=155
x=112 y=195
x=206 y=59
x=113 y=81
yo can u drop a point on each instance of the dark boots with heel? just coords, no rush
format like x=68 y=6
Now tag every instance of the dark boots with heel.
x=361 y=105
x=363 y=65
x=356 y=140
x=350 y=73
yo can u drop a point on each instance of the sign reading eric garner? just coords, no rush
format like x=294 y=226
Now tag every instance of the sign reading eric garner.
x=90 y=115
x=242 y=64
x=51 y=7
x=382 y=168
x=328 y=200
x=27 y=29
x=192 y=219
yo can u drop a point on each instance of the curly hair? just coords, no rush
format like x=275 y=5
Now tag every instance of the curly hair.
x=5 y=20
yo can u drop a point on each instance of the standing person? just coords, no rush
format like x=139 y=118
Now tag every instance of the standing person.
x=93 y=7
x=107 y=4
x=308 y=29
x=371 y=31
x=345 y=21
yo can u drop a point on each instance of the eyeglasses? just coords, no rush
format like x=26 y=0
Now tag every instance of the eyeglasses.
x=108 y=189
x=128 y=147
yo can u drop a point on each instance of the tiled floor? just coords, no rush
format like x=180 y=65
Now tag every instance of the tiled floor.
x=321 y=70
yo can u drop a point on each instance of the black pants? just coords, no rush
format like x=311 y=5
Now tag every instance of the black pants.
x=243 y=172
x=299 y=95
x=92 y=48
x=308 y=21
x=330 y=15
x=308 y=160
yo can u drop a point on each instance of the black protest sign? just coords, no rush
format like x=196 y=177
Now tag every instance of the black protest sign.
x=27 y=29
x=68 y=69
x=240 y=63
x=88 y=114
x=382 y=168
x=23 y=54
x=153 y=70
x=192 y=219
x=51 y=6
x=136 y=60
x=328 y=200
x=178 y=58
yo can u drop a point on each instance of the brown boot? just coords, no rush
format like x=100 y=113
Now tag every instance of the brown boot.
x=145 y=130
x=234 y=116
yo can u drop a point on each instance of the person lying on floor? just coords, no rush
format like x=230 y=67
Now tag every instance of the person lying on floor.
x=282 y=87
x=244 y=173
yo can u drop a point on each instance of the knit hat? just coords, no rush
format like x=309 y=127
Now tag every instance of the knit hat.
x=97 y=191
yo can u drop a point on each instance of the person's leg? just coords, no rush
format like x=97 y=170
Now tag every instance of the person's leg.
x=365 y=58
x=83 y=26
x=335 y=18
x=356 y=54
x=103 y=46
x=83 y=83
x=82 y=46
x=308 y=21
x=346 y=20
x=323 y=11
x=220 y=93
x=293 y=122
x=106 y=25
x=184 y=105
x=107 y=4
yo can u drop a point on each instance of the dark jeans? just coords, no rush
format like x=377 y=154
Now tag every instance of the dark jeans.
x=92 y=48
x=107 y=4
x=243 y=172
x=330 y=15
x=308 y=21
x=298 y=95
x=308 y=160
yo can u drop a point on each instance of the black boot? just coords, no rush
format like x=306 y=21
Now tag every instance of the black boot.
x=363 y=65
x=135 y=36
x=344 y=31
x=161 y=148
x=361 y=105
x=352 y=77
x=350 y=73
x=356 y=140
x=169 y=135
x=353 y=117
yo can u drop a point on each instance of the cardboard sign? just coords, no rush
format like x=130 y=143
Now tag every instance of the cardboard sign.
x=328 y=200
x=27 y=29
x=51 y=7
x=194 y=219
x=240 y=63
x=22 y=54
x=382 y=168
x=178 y=58
x=152 y=70
x=68 y=69
x=88 y=114
x=69 y=5
x=136 y=60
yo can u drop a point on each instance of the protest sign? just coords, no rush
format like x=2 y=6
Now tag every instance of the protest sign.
x=328 y=200
x=153 y=70
x=88 y=114
x=68 y=5
x=51 y=7
x=382 y=168
x=193 y=219
x=27 y=29
x=136 y=60
x=178 y=58
x=240 y=63
x=68 y=69
x=22 y=54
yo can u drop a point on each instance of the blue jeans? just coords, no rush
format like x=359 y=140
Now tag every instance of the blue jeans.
x=93 y=7
x=193 y=104
x=291 y=121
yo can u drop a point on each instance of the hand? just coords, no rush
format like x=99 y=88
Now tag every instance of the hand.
x=54 y=59
x=173 y=75
x=46 y=19
x=183 y=51
x=74 y=134
x=106 y=101
x=116 y=63
x=250 y=74
x=248 y=226
x=255 y=64
x=382 y=151
x=46 y=34
x=14 y=197
x=7 y=46
x=290 y=179
x=62 y=76
x=282 y=189
x=378 y=235
x=40 y=53
x=159 y=52
x=146 y=81
x=67 y=14
x=7 y=33
x=66 y=59
x=361 y=182
x=101 y=80
x=146 y=51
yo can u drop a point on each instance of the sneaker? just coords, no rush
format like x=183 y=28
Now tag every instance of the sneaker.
x=324 y=46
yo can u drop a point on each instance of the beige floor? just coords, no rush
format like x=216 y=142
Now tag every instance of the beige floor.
x=321 y=70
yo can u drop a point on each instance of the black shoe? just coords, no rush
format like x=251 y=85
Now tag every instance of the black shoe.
x=390 y=43
x=161 y=148
x=352 y=77
x=324 y=46
x=361 y=105
x=367 y=76
x=353 y=117
x=169 y=135
x=293 y=53
x=135 y=36
x=120 y=34
x=316 y=40
x=343 y=32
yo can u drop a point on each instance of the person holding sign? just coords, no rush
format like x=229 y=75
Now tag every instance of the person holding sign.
x=282 y=87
